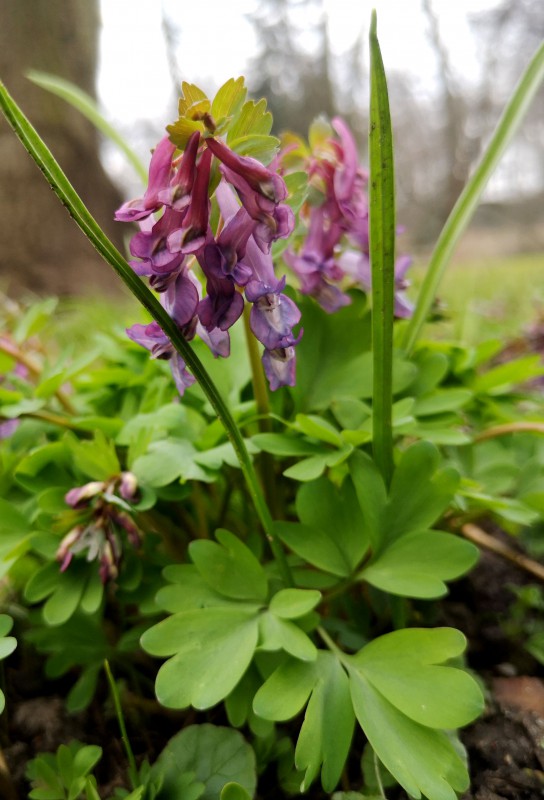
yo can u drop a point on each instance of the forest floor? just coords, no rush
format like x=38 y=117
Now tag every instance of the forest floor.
x=505 y=745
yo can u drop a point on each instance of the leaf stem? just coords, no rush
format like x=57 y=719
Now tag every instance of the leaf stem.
x=132 y=768
x=260 y=392
x=79 y=212
x=382 y=257
x=508 y=428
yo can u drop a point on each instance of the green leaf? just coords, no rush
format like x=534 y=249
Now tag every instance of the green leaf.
x=66 y=596
x=282 y=444
x=421 y=759
x=329 y=709
x=7 y=645
x=263 y=148
x=215 y=756
x=315 y=546
x=6 y=624
x=234 y=791
x=286 y=691
x=189 y=591
x=503 y=378
x=42 y=583
x=97 y=459
x=281 y=634
x=420 y=491
x=442 y=400
x=82 y=692
x=417 y=564
x=308 y=469
x=253 y=119
x=406 y=668
x=372 y=496
x=293 y=603
x=213 y=648
x=86 y=758
x=230 y=567
x=92 y=594
x=167 y=461
x=336 y=512
x=318 y=428
x=51 y=459
x=39 y=313
x=229 y=99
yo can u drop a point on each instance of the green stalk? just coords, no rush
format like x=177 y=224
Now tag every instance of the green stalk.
x=79 y=212
x=132 y=768
x=467 y=202
x=265 y=462
x=382 y=257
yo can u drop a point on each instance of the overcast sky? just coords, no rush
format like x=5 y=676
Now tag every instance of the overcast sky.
x=216 y=40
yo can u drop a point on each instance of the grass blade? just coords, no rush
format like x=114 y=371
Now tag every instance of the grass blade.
x=382 y=256
x=470 y=196
x=84 y=103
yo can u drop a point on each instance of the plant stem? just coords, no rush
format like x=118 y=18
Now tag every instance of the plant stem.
x=469 y=198
x=132 y=769
x=479 y=537
x=382 y=257
x=260 y=392
x=79 y=212
x=257 y=375
x=508 y=428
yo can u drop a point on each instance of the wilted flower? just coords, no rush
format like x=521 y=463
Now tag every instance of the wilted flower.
x=102 y=520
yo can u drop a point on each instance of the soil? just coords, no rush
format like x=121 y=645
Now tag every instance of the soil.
x=505 y=746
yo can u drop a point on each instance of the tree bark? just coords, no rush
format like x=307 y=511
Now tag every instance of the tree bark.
x=41 y=249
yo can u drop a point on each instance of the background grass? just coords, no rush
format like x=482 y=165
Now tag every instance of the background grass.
x=488 y=298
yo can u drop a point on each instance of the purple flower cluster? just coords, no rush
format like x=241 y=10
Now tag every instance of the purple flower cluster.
x=235 y=258
x=335 y=251
x=102 y=518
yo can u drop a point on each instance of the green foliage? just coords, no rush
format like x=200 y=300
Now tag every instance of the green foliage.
x=7 y=646
x=63 y=775
x=205 y=761
x=320 y=636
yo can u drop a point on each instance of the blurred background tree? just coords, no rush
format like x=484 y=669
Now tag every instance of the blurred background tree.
x=40 y=247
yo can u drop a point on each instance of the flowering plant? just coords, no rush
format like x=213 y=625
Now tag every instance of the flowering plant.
x=294 y=597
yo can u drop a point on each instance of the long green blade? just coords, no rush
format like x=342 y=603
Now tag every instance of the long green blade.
x=79 y=99
x=382 y=256
x=79 y=212
x=470 y=197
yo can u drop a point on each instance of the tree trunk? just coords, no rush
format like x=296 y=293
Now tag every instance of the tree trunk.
x=41 y=249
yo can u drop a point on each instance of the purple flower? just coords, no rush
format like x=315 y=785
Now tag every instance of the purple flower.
x=177 y=195
x=159 y=176
x=335 y=251
x=191 y=235
x=150 y=247
x=274 y=220
x=316 y=264
x=261 y=191
x=280 y=367
x=262 y=180
x=222 y=305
